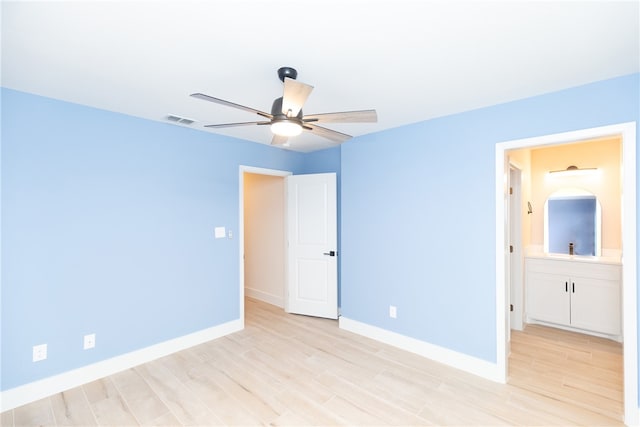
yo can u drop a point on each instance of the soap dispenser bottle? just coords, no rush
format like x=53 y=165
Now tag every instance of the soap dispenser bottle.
x=570 y=248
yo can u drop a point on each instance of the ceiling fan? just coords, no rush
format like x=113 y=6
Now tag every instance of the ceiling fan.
x=286 y=118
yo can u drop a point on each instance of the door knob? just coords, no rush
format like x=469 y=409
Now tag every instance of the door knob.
x=330 y=253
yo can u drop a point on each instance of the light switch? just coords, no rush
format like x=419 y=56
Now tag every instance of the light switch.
x=220 y=233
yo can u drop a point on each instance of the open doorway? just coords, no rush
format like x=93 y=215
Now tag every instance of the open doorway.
x=626 y=132
x=575 y=367
x=264 y=242
x=262 y=235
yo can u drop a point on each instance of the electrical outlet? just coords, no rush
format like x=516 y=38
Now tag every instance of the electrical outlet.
x=39 y=352
x=89 y=341
x=393 y=311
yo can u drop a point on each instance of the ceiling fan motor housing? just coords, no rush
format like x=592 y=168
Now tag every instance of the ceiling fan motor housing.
x=287 y=72
x=278 y=115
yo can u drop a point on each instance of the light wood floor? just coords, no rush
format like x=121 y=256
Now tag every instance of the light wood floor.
x=294 y=370
x=580 y=369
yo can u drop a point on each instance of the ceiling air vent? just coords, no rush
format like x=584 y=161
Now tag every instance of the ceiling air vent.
x=177 y=119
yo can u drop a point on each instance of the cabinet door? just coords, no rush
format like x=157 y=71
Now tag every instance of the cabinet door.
x=595 y=305
x=548 y=297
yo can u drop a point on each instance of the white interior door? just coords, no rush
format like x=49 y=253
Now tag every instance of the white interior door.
x=312 y=279
x=515 y=242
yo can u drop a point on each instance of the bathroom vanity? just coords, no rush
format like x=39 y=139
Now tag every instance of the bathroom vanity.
x=581 y=293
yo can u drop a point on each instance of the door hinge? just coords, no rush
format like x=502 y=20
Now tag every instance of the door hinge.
x=510 y=190
x=510 y=307
x=511 y=248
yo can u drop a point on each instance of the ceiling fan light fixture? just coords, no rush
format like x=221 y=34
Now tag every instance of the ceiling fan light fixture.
x=286 y=128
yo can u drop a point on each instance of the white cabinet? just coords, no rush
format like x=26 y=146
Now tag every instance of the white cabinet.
x=575 y=294
x=547 y=298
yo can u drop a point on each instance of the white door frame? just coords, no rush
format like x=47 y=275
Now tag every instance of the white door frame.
x=259 y=171
x=627 y=131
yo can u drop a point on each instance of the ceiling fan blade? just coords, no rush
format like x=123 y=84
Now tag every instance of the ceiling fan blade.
x=279 y=140
x=333 y=135
x=230 y=104
x=361 y=116
x=294 y=97
x=230 y=125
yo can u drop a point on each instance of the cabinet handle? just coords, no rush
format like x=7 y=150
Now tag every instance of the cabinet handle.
x=566 y=286
x=573 y=287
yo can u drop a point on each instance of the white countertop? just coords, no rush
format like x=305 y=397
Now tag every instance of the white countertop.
x=579 y=258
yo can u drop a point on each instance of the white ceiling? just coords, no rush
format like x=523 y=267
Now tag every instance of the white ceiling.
x=409 y=60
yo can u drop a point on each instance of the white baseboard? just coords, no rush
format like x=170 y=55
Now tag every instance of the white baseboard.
x=278 y=301
x=439 y=354
x=36 y=390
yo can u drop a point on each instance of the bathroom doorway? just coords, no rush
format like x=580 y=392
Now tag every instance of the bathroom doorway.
x=626 y=131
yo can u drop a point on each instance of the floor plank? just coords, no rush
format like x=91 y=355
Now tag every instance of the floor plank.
x=71 y=408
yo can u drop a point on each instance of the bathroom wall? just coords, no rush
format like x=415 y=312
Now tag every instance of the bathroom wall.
x=604 y=154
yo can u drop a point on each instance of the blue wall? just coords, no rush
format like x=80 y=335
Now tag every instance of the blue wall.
x=107 y=223
x=418 y=212
x=107 y=228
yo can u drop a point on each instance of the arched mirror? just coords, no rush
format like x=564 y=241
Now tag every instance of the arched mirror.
x=572 y=223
